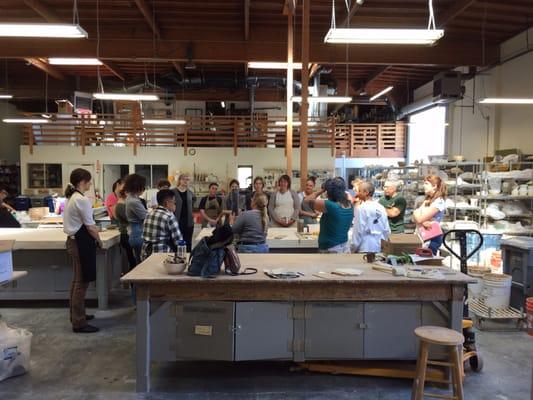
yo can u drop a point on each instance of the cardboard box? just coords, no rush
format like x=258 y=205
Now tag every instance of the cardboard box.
x=401 y=243
x=6 y=260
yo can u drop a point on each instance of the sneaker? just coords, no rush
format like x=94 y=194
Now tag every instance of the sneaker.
x=86 y=329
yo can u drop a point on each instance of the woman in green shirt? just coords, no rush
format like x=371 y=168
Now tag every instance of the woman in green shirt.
x=337 y=216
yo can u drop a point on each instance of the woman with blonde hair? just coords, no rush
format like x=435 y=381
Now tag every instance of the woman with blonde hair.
x=252 y=227
x=430 y=214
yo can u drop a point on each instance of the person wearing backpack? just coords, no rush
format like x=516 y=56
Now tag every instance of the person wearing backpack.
x=252 y=227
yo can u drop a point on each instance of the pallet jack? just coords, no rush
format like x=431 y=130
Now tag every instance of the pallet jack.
x=405 y=370
x=470 y=352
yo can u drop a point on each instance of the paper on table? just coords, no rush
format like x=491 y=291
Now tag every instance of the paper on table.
x=347 y=272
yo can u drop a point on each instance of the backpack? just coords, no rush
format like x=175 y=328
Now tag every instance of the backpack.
x=208 y=255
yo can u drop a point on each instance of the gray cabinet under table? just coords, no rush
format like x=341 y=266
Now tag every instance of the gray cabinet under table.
x=244 y=331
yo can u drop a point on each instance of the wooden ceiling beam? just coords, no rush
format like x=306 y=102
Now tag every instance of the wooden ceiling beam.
x=148 y=16
x=246 y=19
x=115 y=69
x=49 y=69
x=374 y=76
x=43 y=10
x=451 y=12
x=355 y=6
x=446 y=52
x=179 y=69
x=289 y=7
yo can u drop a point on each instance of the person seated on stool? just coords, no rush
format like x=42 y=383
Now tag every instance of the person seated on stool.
x=161 y=232
x=370 y=222
x=211 y=207
x=394 y=205
x=337 y=215
x=284 y=204
x=252 y=227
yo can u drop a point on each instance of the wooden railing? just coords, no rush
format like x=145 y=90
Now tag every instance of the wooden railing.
x=351 y=140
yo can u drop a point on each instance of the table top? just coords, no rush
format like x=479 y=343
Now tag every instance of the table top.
x=49 y=238
x=16 y=275
x=281 y=238
x=152 y=271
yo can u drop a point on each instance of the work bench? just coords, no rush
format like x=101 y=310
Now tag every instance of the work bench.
x=42 y=252
x=313 y=317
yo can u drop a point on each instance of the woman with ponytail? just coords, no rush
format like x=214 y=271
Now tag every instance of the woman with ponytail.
x=252 y=227
x=83 y=237
x=432 y=210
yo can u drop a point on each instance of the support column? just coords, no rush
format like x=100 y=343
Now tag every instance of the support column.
x=290 y=85
x=304 y=109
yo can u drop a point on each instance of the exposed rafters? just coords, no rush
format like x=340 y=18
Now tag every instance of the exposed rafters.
x=246 y=19
x=375 y=76
x=148 y=16
x=110 y=65
x=355 y=6
x=49 y=69
x=453 y=11
x=43 y=10
x=179 y=69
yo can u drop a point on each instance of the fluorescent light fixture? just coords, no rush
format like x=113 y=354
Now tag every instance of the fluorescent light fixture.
x=74 y=61
x=223 y=104
x=295 y=123
x=47 y=116
x=6 y=96
x=67 y=31
x=323 y=99
x=272 y=65
x=384 y=91
x=383 y=36
x=164 y=122
x=502 y=100
x=25 y=120
x=125 y=96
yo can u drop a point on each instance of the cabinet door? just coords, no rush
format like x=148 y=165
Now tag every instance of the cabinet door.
x=204 y=330
x=334 y=330
x=163 y=331
x=389 y=332
x=36 y=176
x=264 y=331
x=54 y=176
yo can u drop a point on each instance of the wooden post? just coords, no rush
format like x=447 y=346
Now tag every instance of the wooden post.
x=290 y=84
x=186 y=136
x=304 y=109
x=351 y=138
x=378 y=141
x=333 y=136
x=82 y=138
x=31 y=139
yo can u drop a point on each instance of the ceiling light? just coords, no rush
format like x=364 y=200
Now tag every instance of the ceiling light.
x=383 y=36
x=503 y=100
x=295 y=123
x=67 y=31
x=47 y=116
x=323 y=99
x=223 y=104
x=272 y=65
x=164 y=122
x=125 y=96
x=25 y=120
x=377 y=95
x=74 y=61
x=6 y=96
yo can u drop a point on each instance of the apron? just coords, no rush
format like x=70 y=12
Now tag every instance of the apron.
x=213 y=208
x=87 y=253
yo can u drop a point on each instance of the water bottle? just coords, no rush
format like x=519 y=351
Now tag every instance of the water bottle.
x=182 y=249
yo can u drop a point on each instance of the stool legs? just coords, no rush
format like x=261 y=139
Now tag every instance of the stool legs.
x=420 y=377
x=457 y=379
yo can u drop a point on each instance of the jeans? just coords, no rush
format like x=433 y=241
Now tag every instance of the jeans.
x=435 y=243
x=78 y=288
x=252 y=248
x=136 y=240
x=125 y=244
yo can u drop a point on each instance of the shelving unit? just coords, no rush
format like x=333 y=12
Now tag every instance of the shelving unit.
x=10 y=178
x=45 y=176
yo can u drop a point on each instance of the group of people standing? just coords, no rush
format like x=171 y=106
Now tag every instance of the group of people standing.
x=170 y=220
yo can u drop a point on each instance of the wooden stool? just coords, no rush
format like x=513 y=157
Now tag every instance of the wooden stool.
x=442 y=337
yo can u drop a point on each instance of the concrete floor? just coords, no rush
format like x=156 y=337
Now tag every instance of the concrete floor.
x=102 y=366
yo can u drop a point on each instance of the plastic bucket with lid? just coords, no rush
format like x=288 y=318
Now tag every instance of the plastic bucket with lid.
x=476 y=272
x=529 y=316
x=496 y=290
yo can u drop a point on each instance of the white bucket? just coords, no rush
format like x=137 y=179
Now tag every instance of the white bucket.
x=476 y=272
x=497 y=290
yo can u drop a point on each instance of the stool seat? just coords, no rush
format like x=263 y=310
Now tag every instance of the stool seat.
x=439 y=335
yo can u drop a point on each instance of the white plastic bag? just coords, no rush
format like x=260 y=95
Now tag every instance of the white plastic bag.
x=15 y=347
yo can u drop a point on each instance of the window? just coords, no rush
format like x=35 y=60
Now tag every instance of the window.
x=45 y=176
x=152 y=173
x=427 y=134
x=245 y=175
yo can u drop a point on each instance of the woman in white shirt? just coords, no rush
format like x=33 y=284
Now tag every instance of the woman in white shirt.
x=83 y=237
x=284 y=204
x=432 y=209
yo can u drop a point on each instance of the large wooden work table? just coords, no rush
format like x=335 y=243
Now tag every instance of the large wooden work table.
x=42 y=252
x=282 y=240
x=252 y=317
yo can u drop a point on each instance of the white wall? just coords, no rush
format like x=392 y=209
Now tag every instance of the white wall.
x=10 y=134
x=218 y=161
